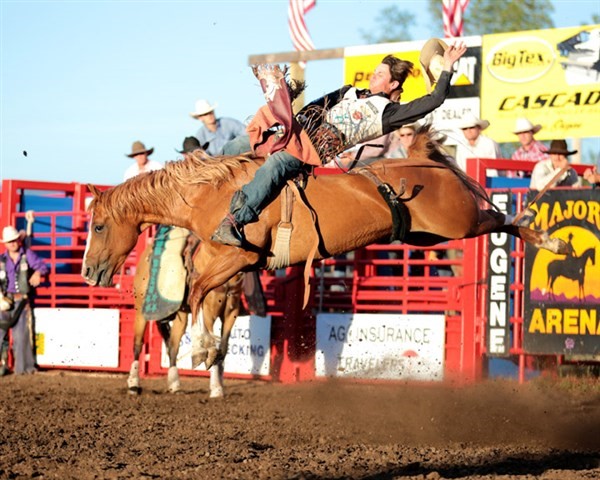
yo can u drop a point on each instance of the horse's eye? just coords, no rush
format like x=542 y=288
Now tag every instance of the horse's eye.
x=98 y=228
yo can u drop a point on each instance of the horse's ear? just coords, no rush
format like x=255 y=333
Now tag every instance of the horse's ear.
x=95 y=192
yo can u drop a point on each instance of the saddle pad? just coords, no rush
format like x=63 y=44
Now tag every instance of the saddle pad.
x=166 y=283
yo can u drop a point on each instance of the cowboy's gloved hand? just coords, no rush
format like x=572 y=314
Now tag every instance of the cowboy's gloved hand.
x=452 y=54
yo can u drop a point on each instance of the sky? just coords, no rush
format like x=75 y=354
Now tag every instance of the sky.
x=80 y=81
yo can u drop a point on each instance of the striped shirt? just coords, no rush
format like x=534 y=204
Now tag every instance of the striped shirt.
x=537 y=151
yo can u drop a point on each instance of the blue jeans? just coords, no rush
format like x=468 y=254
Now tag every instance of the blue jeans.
x=267 y=182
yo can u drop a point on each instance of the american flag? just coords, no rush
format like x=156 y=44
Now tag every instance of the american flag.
x=453 y=17
x=300 y=36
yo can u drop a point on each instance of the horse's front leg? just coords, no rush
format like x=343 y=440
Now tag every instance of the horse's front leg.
x=139 y=327
x=177 y=331
x=199 y=351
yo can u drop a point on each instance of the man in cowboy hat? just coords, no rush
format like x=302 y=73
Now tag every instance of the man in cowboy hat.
x=20 y=270
x=142 y=164
x=215 y=132
x=545 y=170
x=530 y=148
x=334 y=118
x=475 y=145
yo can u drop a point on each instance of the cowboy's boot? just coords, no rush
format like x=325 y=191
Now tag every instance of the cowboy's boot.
x=527 y=218
x=229 y=232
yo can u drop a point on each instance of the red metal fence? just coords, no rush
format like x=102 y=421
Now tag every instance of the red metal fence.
x=378 y=278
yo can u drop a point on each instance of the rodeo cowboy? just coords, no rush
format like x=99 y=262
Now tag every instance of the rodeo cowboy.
x=327 y=126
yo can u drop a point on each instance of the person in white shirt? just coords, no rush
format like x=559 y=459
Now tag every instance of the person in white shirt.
x=142 y=164
x=475 y=145
x=545 y=170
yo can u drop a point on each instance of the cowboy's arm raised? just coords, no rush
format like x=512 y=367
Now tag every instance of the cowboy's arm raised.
x=395 y=115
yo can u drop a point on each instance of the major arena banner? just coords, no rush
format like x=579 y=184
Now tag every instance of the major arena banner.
x=361 y=61
x=562 y=292
x=380 y=346
x=77 y=337
x=249 y=351
x=549 y=76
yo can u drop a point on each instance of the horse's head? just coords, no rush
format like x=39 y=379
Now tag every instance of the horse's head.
x=108 y=243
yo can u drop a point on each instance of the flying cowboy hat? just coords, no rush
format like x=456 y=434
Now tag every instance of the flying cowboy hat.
x=138 y=148
x=432 y=61
x=560 y=147
x=524 y=125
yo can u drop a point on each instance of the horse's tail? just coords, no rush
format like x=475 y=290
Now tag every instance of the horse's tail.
x=437 y=154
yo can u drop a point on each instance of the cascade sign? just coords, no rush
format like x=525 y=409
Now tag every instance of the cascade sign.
x=549 y=76
x=562 y=292
x=499 y=269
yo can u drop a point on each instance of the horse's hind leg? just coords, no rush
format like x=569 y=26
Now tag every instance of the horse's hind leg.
x=139 y=328
x=491 y=221
x=177 y=331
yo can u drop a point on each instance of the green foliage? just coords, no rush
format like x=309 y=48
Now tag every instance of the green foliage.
x=393 y=26
x=493 y=16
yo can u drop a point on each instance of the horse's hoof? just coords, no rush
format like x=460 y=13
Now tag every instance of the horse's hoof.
x=211 y=358
x=174 y=387
x=216 y=392
x=134 y=390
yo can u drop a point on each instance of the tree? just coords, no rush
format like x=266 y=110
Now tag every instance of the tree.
x=393 y=26
x=493 y=16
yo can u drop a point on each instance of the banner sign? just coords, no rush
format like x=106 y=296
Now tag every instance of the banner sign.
x=77 y=337
x=499 y=275
x=360 y=63
x=551 y=77
x=562 y=292
x=249 y=349
x=380 y=346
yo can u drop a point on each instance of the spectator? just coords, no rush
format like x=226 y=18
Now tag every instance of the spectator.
x=190 y=144
x=530 y=148
x=215 y=132
x=21 y=271
x=475 y=145
x=401 y=140
x=142 y=164
x=545 y=170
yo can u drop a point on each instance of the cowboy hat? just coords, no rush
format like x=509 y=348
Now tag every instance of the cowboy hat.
x=431 y=59
x=202 y=108
x=190 y=144
x=138 y=148
x=470 y=120
x=10 y=234
x=524 y=125
x=560 y=147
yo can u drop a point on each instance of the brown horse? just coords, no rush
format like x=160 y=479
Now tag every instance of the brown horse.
x=345 y=212
x=222 y=302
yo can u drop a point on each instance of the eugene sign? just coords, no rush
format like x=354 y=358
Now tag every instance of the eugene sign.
x=562 y=292
x=499 y=263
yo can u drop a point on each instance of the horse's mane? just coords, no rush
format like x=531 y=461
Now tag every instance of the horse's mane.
x=428 y=143
x=162 y=187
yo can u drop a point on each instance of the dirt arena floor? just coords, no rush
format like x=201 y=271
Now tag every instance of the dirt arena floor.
x=67 y=425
